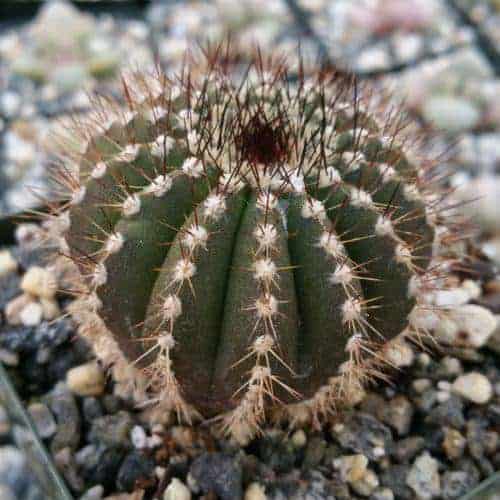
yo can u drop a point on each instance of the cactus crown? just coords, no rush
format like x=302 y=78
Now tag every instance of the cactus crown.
x=250 y=245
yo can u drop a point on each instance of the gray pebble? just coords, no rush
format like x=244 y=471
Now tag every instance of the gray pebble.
x=112 y=430
x=43 y=419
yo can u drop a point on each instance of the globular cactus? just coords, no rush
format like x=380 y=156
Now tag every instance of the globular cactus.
x=248 y=246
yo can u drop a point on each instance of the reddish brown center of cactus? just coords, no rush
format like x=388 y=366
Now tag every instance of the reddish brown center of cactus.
x=263 y=142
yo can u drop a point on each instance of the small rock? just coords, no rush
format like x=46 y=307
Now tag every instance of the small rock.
x=50 y=308
x=451 y=113
x=400 y=354
x=138 y=437
x=314 y=452
x=255 y=491
x=39 y=282
x=65 y=462
x=406 y=449
x=7 y=263
x=86 y=380
x=14 y=307
x=112 y=430
x=218 y=473
x=177 y=490
x=398 y=414
x=395 y=479
x=43 y=419
x=64 y=407
x=455 y=484
x=453 y=443
x=367 y=484
x=94 y=493
x=136 y=467
x=474 y=387
x=423 y=477
x=351 y=467
x=449 y=413
x=299 y=439
x=31 y=314
x=382 y=494
x=4 y=422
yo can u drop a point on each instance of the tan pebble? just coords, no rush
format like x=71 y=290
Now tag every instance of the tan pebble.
x=255 y=491
x=453 y=443
x=351 y=467
x=15 y=306
x=50 y=308
x=39 y=282
x=7 y=263
x=299 y=439
x=86 y=380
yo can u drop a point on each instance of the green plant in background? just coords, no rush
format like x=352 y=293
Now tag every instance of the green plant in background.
x=248 y=248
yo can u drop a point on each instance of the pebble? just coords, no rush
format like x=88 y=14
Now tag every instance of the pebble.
x=351 y=467
x=136 y=468
x=31 y=314
x=455 y=484
x=399 y=414
x=4 y=422
x=138 y=437
x=451 y=113
x=43 y=419
x=299 y=439
x=366 y=484
x=177 y=490
x=94 y=493
x=86 y=380
x=39 y=282
x=423 y=477
x=382 y=494
x=112 y=430
x=474 y=387
x=14 y=308
x=405 y=450
x=219 y=473
x=255 y=491
x=7 y=263
x=453 y=443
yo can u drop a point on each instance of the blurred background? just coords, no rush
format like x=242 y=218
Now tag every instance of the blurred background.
x=441 y=56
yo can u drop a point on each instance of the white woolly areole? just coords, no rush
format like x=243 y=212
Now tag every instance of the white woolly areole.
x=171 y=307
x=99 y=171
x=313 y=209
x=384 y=226
x=353 y=159
x=93 y=302
x=231 y=183
x=402 y=254
x=159 y=186
x=387 y=173
x=351 y=310
x=100 y=275
x=328 y=177
x=360 y=198
x=193 y=167
x=162 y=145
x=129 y=153
x=411 y=192
x=264 y=270
x=156 y=113
x=214 y=206
x=193 y=139
x=331 y=244
x=188 y=117
x=354 y=342
x=78 y=195
x=342 y=275
x=296 y=182
x=266 y=305
x=166 y=341
x=184 y=269
x=196 y=236
x=266 y=235
x=263 y=344
x=62 y=222
x=114 y=243
x=266 y=201
x=131 y=205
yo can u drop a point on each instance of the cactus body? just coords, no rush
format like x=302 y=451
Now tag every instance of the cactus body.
x=247 y=246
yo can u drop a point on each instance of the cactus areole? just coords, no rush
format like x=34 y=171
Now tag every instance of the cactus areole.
x=246 y=246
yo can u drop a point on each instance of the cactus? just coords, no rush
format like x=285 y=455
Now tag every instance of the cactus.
x=248 y=249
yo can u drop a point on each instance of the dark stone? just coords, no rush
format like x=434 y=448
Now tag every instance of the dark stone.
x=405 y=450
x=362 y=433
x=9 y=288
x=112 y=430
x=102 y=466
x=277 y=452
x=218 y=473
x=395 y=479
x=454 y=484
x=135 y=468
x=449 y=414
x=314 y=453
x=63 y=406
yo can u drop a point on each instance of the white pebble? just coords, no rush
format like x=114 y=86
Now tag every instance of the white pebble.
x=138 y=437
x=177 y=490
x=255 y=491
x=474 y=387
x=32 y=314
